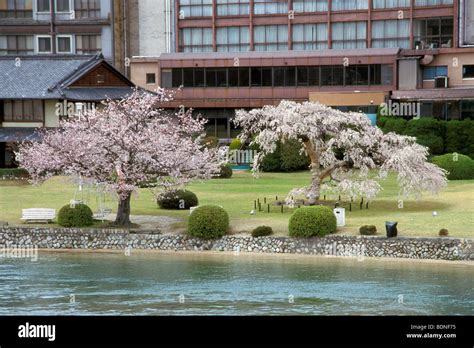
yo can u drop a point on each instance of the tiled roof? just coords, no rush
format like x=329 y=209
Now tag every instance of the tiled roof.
x=48 y=77
x=11 y=135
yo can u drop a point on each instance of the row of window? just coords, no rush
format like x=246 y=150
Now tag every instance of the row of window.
x=21 y=111
x=436 y=32
x=24 y=8
x=203 y=8
x=361 y=75
x=65 y=44
x=431 y=72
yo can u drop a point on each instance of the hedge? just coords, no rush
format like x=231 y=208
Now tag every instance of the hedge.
x=460 y=167
x=439 y=136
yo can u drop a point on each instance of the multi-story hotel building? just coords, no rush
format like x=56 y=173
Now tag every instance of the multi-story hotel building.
x=351 y=54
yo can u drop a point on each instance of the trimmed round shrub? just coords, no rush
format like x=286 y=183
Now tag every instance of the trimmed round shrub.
x=208 y=222
x=178 y=200
x=368 y=230
x=460 y=167
x=262 y=231
x=79 y=216
x=312 y=221
x=443 y=232
x=226 y=172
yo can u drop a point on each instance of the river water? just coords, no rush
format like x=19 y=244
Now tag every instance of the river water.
x=69 y=283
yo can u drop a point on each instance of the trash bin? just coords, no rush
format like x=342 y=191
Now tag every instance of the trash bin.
x=340 y=216
x=391 y=228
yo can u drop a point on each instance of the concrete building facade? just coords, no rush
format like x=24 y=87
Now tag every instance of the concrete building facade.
x=232 y=54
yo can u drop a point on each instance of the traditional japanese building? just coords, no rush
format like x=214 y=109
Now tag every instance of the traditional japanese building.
x=37 y=91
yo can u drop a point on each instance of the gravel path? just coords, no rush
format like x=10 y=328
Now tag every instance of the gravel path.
x=149 y=222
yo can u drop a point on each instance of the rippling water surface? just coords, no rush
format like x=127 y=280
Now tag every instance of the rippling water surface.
x=190 y=284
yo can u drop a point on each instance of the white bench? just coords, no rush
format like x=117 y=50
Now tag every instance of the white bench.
x=38 y=215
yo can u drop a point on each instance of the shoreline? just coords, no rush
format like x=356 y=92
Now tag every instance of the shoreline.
x=250 y=255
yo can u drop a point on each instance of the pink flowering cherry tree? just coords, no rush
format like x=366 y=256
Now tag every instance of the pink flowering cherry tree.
x=348 y=155
x=121 y=145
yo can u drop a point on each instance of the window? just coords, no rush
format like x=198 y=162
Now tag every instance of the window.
x=261 y=77
x=271 y=38
x=16 y=8
x=16 y=44
x=390 y=3
x=88 y=44
x=310 y=5
x=166 y=78
x=345 y=5
x=332 y=75
x=177 y=78
x=23 y=111
x=433 y=2
x=62 y=6
x=310 y=36
x=64 y=44
x=43 y=6
x=216 y=78
x=44 y=44
x=349 y=35
x=199 y=78
x=434 y=32
x=431 y=72
x=270 y=6
x=468 y=72
x=337 y=75
x=357 y=75
x=391 y=33
x=244 y=77
x=195 y=8
x=233 y=77
x=87 y=8
x=233 y=7
x=151 y=77
x=196 y=40
x=233 y=39
x=467 y=109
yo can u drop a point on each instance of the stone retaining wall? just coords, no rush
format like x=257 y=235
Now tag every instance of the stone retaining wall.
x=355 y=246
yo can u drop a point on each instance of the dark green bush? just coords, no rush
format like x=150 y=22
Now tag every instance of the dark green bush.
x=178 y=199
x=286 y=158
x=262 y=231
x=226 y=172
x=381 y=120
x=368 y=230
x=429 y=132
x=395 y=124
x=460 y=167
x=443 y=232
x=459 y=135
x=79 y=216
x=208 y=222
x=14 y=173
x=312 y=221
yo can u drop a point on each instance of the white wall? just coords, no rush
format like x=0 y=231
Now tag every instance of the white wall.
x=152 y=26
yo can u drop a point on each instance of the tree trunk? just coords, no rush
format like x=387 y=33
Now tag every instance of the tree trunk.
x=123 y=213
x=315 y=187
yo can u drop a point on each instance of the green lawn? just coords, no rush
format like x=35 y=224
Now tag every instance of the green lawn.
x=455 y=205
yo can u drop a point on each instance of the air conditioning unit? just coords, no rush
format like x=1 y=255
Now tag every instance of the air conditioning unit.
x=441 y=82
